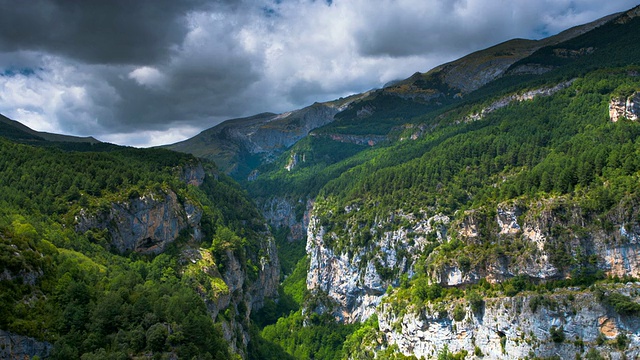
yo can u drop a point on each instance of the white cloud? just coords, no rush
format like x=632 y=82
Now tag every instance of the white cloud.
x=57 y=97
x=148 y=76
x=152 y=137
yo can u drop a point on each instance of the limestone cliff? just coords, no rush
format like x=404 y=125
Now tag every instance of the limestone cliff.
x=13 y=346
x=232 y=286
x=528 y=95
x=290 y=213
x=355 y=278
x=561 y=323
x=242 y=287
x=541 y=241
x=625 y=107
x=544 y=240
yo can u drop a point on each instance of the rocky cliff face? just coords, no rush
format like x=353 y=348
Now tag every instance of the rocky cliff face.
x=232 y=287
x=284 y=212
x=13 y=346
x=528 y=95
x=356 y=278
x=193 y=175
x=145 y=224
x=540 y=241
x=621 y=107
x=544 y=240
x=550 y=240
x=240 y=289
x=562 y=323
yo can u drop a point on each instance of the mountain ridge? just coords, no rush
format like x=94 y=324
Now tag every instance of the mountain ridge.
x=24 y=132
x=239 y=155
x=259 y=138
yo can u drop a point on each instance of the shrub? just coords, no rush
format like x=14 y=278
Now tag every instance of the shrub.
x=622 y=341
x=459 y=313
x=556 y=334
x=475 y=301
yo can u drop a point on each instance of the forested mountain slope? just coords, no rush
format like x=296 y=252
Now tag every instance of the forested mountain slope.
x=499 y=223
x=238 y=146
x=126 y=253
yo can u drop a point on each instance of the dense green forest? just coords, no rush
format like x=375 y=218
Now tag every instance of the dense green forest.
x=613 y=45
x=72 y=290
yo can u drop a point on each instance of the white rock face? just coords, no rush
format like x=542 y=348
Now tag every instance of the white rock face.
x=351 y=279
x=281 y=212
x=628 y=108
x=616 y=253
x=513 y=328
x=508 y=220
x=356 y=278
x=529 y=95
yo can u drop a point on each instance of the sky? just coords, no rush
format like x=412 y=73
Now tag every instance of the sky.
x=151 y=72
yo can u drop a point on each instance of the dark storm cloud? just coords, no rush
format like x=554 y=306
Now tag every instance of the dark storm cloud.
x=96 y=31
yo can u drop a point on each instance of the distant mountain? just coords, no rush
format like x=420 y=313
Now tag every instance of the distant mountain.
x=472 y=71
x=239 y=146
x=14 y=130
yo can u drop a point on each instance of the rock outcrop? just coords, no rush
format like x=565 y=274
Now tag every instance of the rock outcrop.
x=355 y=279
x=13 y=346
x=193 y=175
x=528 y=95
x=625 y=107
x=293 y=214
x=562 y=323
x=546 y=240
x=241 y=288
x=145 y=224
x=552 y=240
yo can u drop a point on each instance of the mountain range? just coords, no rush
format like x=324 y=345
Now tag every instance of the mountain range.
x=239 y=146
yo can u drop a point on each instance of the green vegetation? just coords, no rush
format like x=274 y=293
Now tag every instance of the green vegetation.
x=290 y=334
x=557 y=334
x=69 y=289
x=623 y=304
x=321 y=338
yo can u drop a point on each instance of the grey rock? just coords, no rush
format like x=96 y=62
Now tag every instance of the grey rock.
x=13 y=346
x=146 y=224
